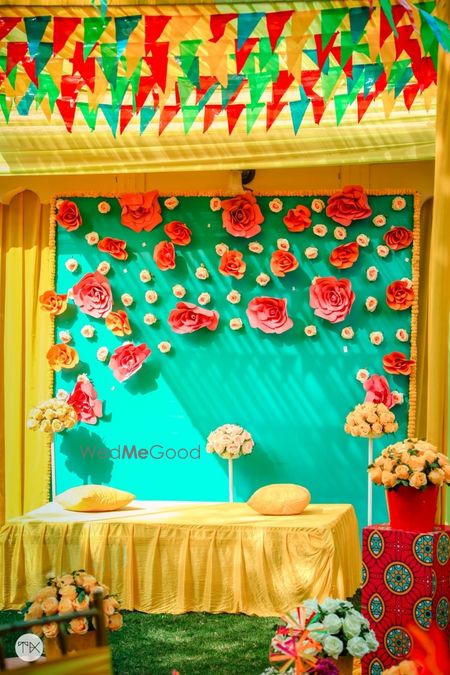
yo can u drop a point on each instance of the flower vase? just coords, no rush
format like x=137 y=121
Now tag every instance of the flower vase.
x=411 y=509
x=345 y=664
x=74 y=643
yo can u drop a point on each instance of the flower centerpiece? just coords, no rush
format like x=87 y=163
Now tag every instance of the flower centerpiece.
x=370 y=420
x=52 y=416
x=65 y=594
x=412 y=471
x=321 y=638
x=230 y=441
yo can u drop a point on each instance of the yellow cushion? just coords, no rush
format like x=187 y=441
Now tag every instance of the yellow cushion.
x=94 y=498
x=281 y=499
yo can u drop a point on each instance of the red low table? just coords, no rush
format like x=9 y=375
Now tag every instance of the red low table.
x=405 y=581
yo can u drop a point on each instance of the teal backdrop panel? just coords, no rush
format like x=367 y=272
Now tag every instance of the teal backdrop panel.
x=290 y=391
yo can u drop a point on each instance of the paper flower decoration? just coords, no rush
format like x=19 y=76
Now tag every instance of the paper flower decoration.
x=241 y=216
x=84 y=401
x=230 y=441
x=378 y=391
x=103 y=267
x=298 y=219
x=236 y=323
x=372 y=273
x=234 y=297
x=92 y=294
x=189 y=318
x=145 y=276
x=310 y=331
x=221 y=248
x=164 y=347
x=150 y=319
x=320 y=230
x=202 y=273
x=283 y=244
x=362 y=375
x=348 y=205
x=398 y=203
x=52 y=416
x=400 y=295
x=398 y=238
x=102 y=354
x=232 y=264
x=92 y=238
x=317 y=205
x=332 y=299
x=376 y=337
x=269 y=314
x=53 y=303
x=151 y=297
x=179 y=291
x=348 y=333
x=115 y=247
x=362 y=240
x=140 y=211
x=402 y=335
x=383 y=251
x=379 y=221
x=171 y=203
x=311 y=252
x=178 y=233
x=262 y=279
x=88 y=331
x=255 y=247
x=104 y=207
x=397 y=363
x=118 y=323
x=71 y=265
x=215 y=204
x=128 y=359
x=204 y=299
x=68 y=216
x=164 y=255
x=283 y=262
x=340 y=233
x=371 y=303
x=344 y=256
x=276 y=205
x=61 y=356
x=65 y=336
x=126 y=299
x=370 y=419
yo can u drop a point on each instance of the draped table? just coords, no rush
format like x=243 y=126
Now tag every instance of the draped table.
x=175 y=557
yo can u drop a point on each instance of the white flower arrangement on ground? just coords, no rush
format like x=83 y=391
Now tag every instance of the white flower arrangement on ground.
x=230 y=441
x=322 y=631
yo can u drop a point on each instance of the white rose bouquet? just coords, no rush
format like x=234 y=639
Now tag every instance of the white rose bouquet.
x=230 y=441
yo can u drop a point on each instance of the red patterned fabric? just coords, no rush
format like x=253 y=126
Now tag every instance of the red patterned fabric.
x=405 y=581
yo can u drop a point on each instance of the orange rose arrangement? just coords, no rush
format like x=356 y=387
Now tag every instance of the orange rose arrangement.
x=412 y=463
x=118 y=323
x=61 y=356
x=370 y=420
x=71 y=593
x=53 y=303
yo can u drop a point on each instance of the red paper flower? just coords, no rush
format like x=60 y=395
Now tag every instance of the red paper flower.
x=164 y=255
x=178 y=232
x=397 y=363
x=140 y=211
x=92 y=294
x=188 y=318
x=400 y=295
x=283 y=262
x=53 y=303
x=242 y=216
x=69 y=216
x=298 y=219
x=331 y=298
x=115 y=247
x=377 y=390
x=232 y=264
x=398 y=238
x=349 y=205
x=84 y=399
x=344 y=256
x=118 y=323
x=269 y=314
x=128 y=359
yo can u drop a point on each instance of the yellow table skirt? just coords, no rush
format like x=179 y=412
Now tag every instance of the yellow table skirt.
x=175 y=557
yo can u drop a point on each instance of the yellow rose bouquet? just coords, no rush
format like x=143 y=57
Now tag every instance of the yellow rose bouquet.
x=411 y=463
x=71 y=593
x=52 y=416
x=370 y=420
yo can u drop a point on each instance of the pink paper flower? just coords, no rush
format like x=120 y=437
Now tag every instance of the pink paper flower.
x=85 y=402
x=104 y=207
x=150 y=319
x=362 y=240
x=128 y=359
x=378 y=391
x=221 y=248
x=188 y=318
x=269 y=314
x=145 y=276
x=151 y=297
x=283 y=244
x=71 y=265
x=331 y=298
x=92 y=294
x=398 y=397
x=202 y=273
x=383 y=251
x=204 y=299
x=179 y=291
x=103 y=267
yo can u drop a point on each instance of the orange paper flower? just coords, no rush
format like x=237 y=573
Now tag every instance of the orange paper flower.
x=115 y=247
x=118 y=323
x=397 y=363
x=398 y=238
x=241 y=216
x=68 y=216
x=178 y=232
x=53 y=302
x=62 y=356
x=348 y=205
x=232 y=264
x=140 y=211
x=164 y=255
x=344 y=256
x=399 y=295
x=298 y=219
x=283 y=262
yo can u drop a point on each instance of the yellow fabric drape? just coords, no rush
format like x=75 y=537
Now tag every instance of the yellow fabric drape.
x=176 y=558
x=25 y=336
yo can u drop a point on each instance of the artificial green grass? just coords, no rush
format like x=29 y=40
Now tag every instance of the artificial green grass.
x=193 y=644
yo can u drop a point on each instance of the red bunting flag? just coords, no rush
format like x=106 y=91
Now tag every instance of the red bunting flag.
x=154 y=26
x=126 y=114
x=63 y=27
x=67 y=111
x=280 y=87
x=157 y=62
x=233 y=114
x=276 y=21
x=166 y=115
x=86 y=68
x=363 y=103
x=7 y=23
x=242 y=54
x=146 y=84
x=211 y=111
x=218 y=23
x=273 y=110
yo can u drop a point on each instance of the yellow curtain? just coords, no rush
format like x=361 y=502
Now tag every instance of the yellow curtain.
x=25 y=336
